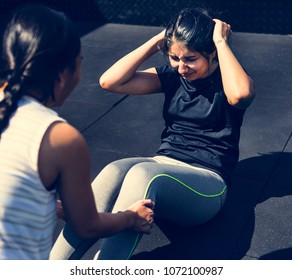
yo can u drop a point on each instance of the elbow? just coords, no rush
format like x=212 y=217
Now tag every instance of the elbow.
x=104 y=83
x=242 y=100
x=108 y=86
x=242 y=95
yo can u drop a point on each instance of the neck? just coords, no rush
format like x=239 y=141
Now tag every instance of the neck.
x=213 y=66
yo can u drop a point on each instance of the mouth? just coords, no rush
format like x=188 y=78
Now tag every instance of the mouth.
x=186 y=76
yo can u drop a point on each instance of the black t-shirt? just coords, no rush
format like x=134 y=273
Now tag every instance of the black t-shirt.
x=201 y=127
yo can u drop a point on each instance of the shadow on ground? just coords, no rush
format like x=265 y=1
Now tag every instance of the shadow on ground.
x=223 y=238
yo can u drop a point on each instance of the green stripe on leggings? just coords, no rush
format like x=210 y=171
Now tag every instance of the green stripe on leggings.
x=183 y=184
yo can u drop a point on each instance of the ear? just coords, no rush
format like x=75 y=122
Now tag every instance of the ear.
x=213 y=55
x=60 y=83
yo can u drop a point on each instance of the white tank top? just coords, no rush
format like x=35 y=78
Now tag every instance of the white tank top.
x=27 y=209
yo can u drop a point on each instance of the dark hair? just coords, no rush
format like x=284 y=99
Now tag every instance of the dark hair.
x=193 y=27
x=38 y=44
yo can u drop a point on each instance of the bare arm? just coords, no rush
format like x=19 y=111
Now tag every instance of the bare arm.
x=238 y=86
x=64 y=155
x=123 y=76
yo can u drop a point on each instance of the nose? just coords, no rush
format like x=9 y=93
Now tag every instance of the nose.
x=182 y=67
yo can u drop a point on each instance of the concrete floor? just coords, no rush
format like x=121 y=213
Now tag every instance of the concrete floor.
x=256 y=222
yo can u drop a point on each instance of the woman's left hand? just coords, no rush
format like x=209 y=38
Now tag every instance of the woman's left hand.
x=222 y=31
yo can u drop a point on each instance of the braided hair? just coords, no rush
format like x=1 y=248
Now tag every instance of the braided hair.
x=38 y=44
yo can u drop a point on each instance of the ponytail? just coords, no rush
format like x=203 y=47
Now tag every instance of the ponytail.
x=38 y=44
x=12 y=94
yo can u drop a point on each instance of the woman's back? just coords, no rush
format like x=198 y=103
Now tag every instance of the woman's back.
x=28 y=210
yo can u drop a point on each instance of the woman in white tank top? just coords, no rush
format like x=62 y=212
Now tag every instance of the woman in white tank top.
x=38 y=149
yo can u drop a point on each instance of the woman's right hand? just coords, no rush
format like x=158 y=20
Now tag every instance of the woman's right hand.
x=144 y=218
x=160 y=39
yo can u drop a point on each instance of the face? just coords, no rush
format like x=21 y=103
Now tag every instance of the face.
x=190 y=65
x=76 y=75
x=67 y=82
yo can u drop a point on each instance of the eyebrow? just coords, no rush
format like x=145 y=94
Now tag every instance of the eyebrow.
x=185 y=57
x=190 y=56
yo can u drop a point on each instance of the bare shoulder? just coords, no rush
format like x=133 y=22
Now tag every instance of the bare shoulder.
x=62 y=132
x=68 y=143
x=62 y=146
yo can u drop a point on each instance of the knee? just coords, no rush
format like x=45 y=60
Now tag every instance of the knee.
x=112 y=172
x=142 y=177
x=139 y=173
x=114 y=168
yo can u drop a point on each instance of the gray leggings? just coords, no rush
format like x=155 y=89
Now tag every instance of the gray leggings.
x=182 y=193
